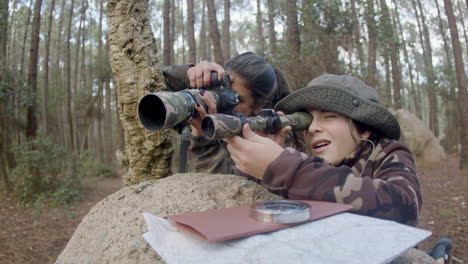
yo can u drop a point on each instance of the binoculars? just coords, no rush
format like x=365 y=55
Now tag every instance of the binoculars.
x=219 y=126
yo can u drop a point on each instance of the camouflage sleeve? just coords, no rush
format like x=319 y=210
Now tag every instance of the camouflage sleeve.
x=390 y=192
x=209 y=156
x=176 y=77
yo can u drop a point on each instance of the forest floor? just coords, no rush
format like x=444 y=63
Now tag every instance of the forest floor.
x=28 y=238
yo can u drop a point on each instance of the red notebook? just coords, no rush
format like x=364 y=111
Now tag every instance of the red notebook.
x=235 y=222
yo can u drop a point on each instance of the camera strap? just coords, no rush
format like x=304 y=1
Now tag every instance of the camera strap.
x=184 y=145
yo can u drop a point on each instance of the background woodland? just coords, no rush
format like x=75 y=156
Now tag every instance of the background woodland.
x=72 y=71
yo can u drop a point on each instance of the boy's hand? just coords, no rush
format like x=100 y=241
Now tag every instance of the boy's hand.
x=253 y=153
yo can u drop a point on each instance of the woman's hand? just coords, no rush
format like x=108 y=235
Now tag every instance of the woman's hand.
x=253 y=153
x=195 y=122
x=200 y=74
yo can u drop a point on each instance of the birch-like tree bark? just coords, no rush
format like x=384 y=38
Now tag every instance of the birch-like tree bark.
x=134 y=67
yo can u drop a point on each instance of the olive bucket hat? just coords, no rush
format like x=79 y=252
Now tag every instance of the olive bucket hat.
x=345 y=95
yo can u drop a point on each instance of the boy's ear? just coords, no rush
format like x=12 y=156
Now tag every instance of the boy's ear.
x=366 y=134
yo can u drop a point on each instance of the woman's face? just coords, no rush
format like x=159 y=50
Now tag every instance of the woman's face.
x=246 y=104
x=329 y=136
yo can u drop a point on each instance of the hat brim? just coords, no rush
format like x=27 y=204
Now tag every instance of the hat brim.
x=337 y=100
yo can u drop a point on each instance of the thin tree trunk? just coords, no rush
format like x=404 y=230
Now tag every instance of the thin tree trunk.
x=133 y=57
x=182 y=31
x=172 y=36
x=271 y=27
x=357 y=36
x=461 y=80
x=292 y=31
x=57 y=81
x=167 y=33
x=260 y=39
x=71 y=132
x=372 y=45
x=393 y=50
x=387 y=98
x=203 y=40
x=28 y=20
x=462 y=21
x=101 y=81
x=45 y=95
x=417 y=106
x=226 y=27
x=433 y=120
x=214 y=32
x=83 y=56
x=452 y=113
x=3 y=30
x=31 y=126
x=191 y=32
x=11 y=47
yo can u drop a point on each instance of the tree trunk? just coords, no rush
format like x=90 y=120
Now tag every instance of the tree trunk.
x=452 y=129
x=172 y=35
x=203 y=40
x=226 y=27
x=28 y=20
x=167 y=33
x=393 y=49
x=357 y=36
x=191 y=33
x=271 y=27
x=462 y=21
x=3 y=30
x=11 y=41
x=414 y=95
x=57 y=81
x=101 y=81
x=429 y=70
x=31 y=127
x=293 y=40
x=45 y=94
x=71 y=133
x=461 y=80
x=260 y=39
x=214 y=32
x=134 y=66
x=372 y=45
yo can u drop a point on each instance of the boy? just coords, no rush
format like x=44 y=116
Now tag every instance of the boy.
x=353 y=153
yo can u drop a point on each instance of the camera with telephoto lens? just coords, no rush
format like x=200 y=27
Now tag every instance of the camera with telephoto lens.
x=168 y=109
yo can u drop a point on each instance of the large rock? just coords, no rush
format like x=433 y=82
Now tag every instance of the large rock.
x=420 y=140
x=112 y=232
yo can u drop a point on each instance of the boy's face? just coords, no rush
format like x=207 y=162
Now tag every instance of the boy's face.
x=329 y=136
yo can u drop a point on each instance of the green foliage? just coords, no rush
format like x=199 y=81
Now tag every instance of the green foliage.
x=42 y=173
x=90 y=167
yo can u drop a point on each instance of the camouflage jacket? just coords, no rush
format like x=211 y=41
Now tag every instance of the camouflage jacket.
x=387 y=187
x=203 y=155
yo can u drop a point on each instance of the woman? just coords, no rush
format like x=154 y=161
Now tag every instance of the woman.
x=258 y=84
